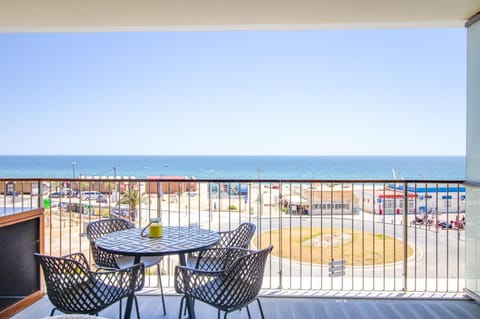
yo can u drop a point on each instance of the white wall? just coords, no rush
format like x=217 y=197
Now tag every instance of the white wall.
x=472 y=261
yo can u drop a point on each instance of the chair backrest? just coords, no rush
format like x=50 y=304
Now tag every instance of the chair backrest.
x=59 y=275
x=101 y=228
x=243 y=279
x=239 y=237
x=73 y=288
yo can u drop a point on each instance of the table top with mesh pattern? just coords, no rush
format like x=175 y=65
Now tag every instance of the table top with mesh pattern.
x=174 y=240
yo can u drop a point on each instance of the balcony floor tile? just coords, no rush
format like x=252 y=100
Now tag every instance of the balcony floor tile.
x=299 y=307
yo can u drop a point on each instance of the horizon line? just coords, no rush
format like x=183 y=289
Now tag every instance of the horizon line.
x=252 y=155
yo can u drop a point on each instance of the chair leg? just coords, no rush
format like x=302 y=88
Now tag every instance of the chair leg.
x=161 y=288
x=136 y=306
x=248 y=312
x=260 y=307
x=185 y=309
x=181 y=307
x=52 y=312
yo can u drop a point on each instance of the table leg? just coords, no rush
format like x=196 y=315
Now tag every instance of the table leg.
x=128 y=308
x=188 y=300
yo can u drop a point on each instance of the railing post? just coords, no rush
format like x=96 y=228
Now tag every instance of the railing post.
x=405 y=235
x=280 y=239
x=40 y=194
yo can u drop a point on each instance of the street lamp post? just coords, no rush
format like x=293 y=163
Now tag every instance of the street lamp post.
x=73 y=168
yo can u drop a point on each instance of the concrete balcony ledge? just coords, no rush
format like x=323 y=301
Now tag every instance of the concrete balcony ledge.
x=322 y=294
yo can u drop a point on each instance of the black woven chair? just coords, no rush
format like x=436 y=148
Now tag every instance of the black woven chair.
x=74 y=289
x=207 y=259
x=105 y=260
x=229 y=289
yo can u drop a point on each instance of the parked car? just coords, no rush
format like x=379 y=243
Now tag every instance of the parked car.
x=68 y=192
x=11 y=193
x=91 y=195
x=102 y=199
x=64 y=193
x=61 y=205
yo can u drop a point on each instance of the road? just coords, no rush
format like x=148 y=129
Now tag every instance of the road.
x=427 y=269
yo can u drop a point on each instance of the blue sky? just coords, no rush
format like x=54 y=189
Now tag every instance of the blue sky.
x=342 y=92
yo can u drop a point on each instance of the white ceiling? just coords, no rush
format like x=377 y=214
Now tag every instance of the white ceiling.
x=146 y=15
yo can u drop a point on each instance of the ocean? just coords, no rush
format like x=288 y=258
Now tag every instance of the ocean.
x=237 y=167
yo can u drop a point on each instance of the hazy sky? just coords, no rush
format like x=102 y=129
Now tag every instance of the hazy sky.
x=362 y=92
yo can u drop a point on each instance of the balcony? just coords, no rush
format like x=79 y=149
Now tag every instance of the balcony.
x=442 y=249
x=379 y=230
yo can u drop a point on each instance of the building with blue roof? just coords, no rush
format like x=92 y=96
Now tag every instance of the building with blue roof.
x=441 y=198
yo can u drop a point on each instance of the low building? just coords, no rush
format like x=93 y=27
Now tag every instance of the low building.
x=386 y=201
x=19 y=187
x=334 y=200
x=170 y=185
x=441 y=198
x=105 y=184
x=324 y=200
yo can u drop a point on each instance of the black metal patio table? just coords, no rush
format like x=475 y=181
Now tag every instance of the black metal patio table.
x=175 y=240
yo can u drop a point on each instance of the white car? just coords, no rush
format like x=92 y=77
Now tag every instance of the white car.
x=92 y=195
